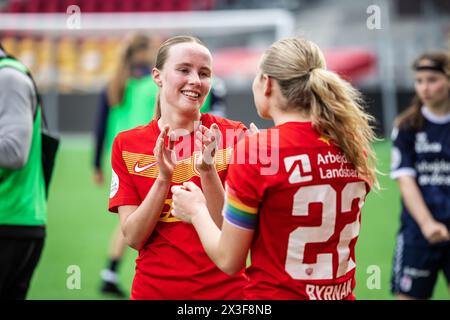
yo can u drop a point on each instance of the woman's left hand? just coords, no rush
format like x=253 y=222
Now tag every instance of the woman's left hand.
x=188 y=201
x=207 y=141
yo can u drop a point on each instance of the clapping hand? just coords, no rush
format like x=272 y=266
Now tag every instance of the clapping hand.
x=165 y=155
x=207 y=141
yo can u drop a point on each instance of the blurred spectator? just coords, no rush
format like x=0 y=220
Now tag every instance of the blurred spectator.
x=126 y=102
x=421 y=166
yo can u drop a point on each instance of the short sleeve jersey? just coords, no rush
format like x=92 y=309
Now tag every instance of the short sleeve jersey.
x=172 y=264
x=425 y=155
x=303 y=199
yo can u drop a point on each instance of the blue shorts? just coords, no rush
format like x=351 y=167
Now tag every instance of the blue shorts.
x=415 y=268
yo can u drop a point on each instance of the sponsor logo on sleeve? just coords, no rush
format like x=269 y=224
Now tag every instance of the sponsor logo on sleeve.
x=114 y=185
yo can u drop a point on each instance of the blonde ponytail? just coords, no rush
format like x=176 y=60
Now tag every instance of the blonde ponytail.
x=333 y=104
x=337 y=113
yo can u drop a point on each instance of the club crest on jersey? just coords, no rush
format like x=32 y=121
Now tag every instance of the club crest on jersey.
x=406 y=283
x=114 y=184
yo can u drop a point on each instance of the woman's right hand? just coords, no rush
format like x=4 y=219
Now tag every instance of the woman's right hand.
x=188 y=201
x=165 y=156
x=435 y=231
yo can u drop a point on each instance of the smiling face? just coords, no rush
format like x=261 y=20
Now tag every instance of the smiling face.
x=185 y=78
x=432 y=87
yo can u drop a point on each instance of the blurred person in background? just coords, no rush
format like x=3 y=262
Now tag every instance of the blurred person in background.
x=127 y=101
x=215 y=103
x=23 y=208
x=421 y=165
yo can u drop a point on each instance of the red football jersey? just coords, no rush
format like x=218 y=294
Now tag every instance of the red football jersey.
x=172 y=264
x=308 y=199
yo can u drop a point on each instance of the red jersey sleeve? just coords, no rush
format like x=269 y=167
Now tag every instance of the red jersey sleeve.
x=123 y=191
x=245 y=186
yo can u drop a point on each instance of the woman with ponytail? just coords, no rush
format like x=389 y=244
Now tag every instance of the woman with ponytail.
x=300 y=220
x=421 y=166
x=181 y=144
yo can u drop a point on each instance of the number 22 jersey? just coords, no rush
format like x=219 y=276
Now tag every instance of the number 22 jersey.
x=303 y=199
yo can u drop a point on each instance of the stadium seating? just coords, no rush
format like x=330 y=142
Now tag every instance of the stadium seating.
x=93 y=60
x=26 y=52
x=52 y=6
x=66 y=63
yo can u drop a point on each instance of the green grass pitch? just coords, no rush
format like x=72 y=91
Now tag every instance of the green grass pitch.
x=79 y=229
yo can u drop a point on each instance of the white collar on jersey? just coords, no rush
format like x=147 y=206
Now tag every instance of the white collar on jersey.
x=433 y=117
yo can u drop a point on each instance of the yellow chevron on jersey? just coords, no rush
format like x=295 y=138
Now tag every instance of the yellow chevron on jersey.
x=145 y=165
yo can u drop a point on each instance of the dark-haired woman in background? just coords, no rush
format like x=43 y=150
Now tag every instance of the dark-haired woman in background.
x=421 y=166
x=127 y=101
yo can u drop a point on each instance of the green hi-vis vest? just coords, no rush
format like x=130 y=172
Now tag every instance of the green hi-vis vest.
x=136 y=109
x=206 y=107
x=22 y=191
